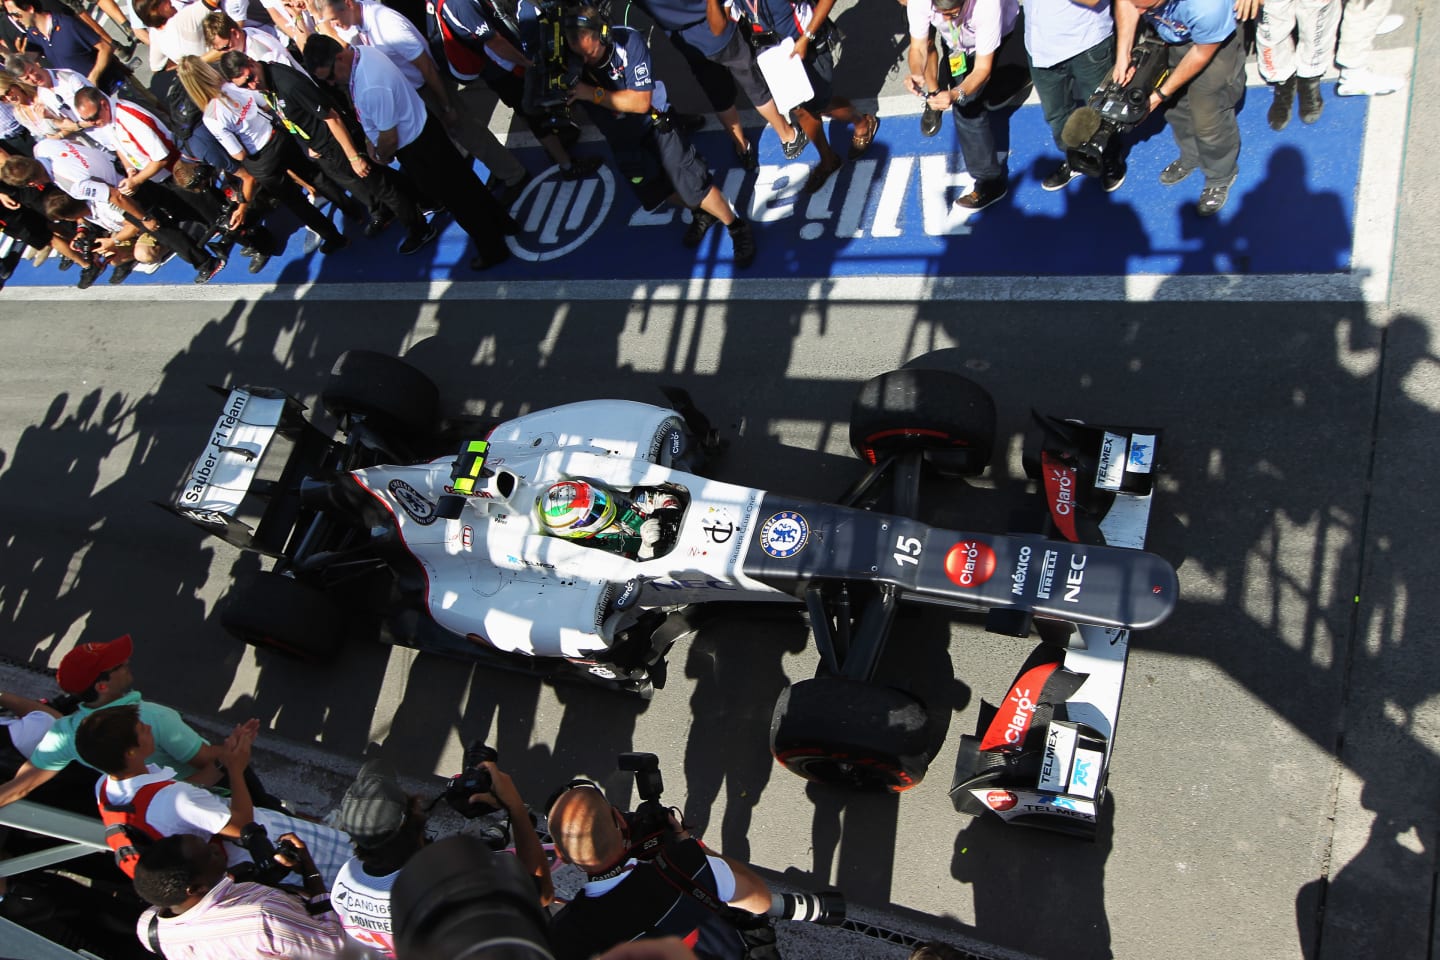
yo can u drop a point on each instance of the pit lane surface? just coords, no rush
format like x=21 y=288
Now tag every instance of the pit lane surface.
x=1274 y=786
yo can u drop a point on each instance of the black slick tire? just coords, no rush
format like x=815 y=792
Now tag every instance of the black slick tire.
x=851 y=734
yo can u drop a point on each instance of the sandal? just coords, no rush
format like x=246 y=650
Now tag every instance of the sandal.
x=859 y=144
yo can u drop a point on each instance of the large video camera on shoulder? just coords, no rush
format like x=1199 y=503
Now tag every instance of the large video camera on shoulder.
x=556 y=71
x=1115 y=108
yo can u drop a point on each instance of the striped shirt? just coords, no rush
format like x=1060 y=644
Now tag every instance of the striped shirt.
x=245 y=921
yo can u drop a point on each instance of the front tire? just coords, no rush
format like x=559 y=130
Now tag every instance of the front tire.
x=280 y=613
x=852 y=734
x=949 y=417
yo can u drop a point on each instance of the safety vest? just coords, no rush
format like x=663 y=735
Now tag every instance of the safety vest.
x=126 y=829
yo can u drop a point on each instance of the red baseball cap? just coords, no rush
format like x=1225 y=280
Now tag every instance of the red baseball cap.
x=82 y=666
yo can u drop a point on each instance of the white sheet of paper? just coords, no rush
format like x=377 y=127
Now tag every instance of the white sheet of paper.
x=789 y=84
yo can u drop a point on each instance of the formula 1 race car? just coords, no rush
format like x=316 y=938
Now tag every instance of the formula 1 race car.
x=580 y=541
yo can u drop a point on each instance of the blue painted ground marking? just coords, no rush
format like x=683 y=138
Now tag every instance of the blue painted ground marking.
x=1292 y=211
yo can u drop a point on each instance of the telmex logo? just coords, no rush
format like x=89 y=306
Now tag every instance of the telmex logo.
x=869 y=198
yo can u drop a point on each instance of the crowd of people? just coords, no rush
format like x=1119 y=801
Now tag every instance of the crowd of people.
x=367 y=111
x=208 y=865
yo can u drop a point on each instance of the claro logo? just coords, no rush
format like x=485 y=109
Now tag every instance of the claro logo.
x=557 y=215
x=970 y=563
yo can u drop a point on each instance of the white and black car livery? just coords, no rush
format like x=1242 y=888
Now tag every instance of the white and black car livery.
x=474 y=571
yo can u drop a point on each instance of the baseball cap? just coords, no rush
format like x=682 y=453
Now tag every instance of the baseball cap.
x=82 y=666
x=374 y=807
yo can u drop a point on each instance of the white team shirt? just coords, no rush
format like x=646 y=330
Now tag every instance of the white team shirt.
x=383 y=99
x=264 y=46
x=59 y=98
x=392 y=34
x=362 y=902
x=83 y=171
x=239 y=121
x=182 y=36
x=137 y=137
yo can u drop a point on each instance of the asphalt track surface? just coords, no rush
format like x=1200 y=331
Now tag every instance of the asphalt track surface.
x=1274 y=785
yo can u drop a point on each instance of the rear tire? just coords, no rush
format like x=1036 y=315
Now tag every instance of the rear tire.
x=851 y=734
x=401 y=400
x=949 y=417
x=280 y=613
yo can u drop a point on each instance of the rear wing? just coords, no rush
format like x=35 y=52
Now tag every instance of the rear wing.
x=244 y=486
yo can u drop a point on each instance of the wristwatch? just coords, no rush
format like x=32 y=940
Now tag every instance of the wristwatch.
x=599 y=94
x=809 y=36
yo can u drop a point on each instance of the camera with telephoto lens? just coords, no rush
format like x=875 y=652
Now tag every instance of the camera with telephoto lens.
x=264 y=868
x=472 y=780
x=1115 y=108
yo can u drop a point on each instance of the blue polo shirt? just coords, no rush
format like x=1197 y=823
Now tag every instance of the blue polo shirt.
x=70 y=45
x=1193 y=21
x=627 y=69
x=687 y=18
x=175 y=741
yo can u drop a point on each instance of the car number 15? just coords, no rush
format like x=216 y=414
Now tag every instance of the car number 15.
x=907 y=550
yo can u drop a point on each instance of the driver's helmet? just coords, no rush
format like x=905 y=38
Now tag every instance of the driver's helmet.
x=576 y=509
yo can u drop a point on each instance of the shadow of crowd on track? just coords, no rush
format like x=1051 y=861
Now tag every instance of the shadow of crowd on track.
x=64 y=547
x=309 y=157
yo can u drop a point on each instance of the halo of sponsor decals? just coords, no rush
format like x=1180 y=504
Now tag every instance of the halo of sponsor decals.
x=784 y=534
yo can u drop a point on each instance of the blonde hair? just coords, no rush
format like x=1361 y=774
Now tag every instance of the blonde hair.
x=201 y=81
x=8 y=80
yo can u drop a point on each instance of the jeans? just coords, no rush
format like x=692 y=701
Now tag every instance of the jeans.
x=1068 y=84
x=973 y=120
x=1203 y=116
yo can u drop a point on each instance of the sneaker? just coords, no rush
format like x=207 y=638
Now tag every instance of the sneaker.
x=1061 y=177
x=415 y=241
x=984 y=194
x=794 y=148
x=743 y=240
x=1112 y=176
x=312 y=241
x=335 y=243
x=258 y=261
x=121 y=271
x=700 y=224
x=379 y=220
x=579 y=169
x=1311 y=103
x=1361 y=82
x=65 y=262
x=1174 y=173
x=90 y=274
x=1391 y=23
x=750 y=156
x=207 y=270
x=1212 y=199
x=930 y=122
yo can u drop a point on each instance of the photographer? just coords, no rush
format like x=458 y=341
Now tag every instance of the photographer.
x=387 y=826
x=649 y=877
x=201 y=911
